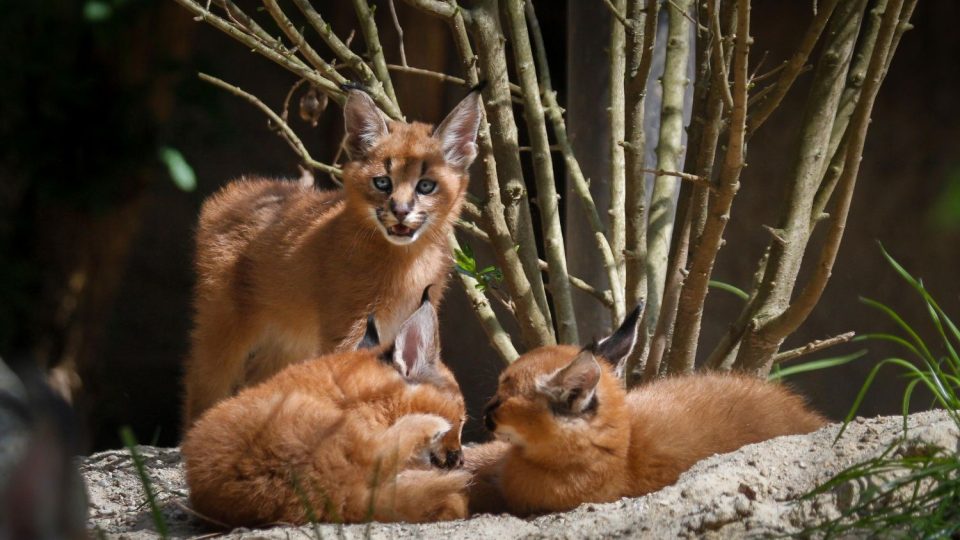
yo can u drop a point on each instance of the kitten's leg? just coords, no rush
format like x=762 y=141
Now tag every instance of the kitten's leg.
x=412 y=437
x=215 y=368
x=424 y=495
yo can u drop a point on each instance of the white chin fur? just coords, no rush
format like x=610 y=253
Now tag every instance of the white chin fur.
x=398 y=240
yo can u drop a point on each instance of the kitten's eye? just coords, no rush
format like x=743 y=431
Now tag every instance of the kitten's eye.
x=426 y=187
x=383 y=183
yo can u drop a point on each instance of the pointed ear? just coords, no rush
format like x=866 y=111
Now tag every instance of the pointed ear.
x=458 y=131
x=364 y=124
x=575 y=386
x=371 y=338
x=619 y=345
x=417 y=347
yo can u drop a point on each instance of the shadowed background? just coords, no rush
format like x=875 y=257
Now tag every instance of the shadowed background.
x=99 y=99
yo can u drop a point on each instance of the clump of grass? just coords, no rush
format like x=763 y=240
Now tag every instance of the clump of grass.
x=907 y=492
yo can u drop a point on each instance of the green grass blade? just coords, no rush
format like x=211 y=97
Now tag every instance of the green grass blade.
x=815 y=365
x=732 y=289
x=902 y=324
x=130 y=441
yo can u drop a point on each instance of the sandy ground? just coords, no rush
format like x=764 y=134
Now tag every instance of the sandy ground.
x=751 y=492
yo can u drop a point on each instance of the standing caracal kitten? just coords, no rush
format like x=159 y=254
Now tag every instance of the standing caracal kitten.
x=287 y=272
x=347 y=437
x=569 y=433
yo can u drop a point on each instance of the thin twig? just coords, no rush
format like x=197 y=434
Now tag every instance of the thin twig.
x=396 y=24
x=286 y=132
x=473 y=230
x=604 y=296
x=285 y=115
x=699 y=180
x=812 y=347
x=368 y=26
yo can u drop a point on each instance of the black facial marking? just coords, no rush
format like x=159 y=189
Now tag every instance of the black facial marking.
x=371 y=338
x=386 y=165
x=387 y=355
x=423 y=168
x=425 y=297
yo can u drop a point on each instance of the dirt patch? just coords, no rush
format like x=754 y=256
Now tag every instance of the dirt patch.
x=751 y=492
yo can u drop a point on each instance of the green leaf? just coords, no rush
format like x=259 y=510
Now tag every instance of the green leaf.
x=180 y=171
x=97 y=11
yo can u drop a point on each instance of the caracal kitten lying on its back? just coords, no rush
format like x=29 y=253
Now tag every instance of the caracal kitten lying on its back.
x=569 y=433
x=287 y=272
x=347 y=437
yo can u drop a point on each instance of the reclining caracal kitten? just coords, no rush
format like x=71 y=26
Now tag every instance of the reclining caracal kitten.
x=347 y=437
x=569 y=433
x=287 y=272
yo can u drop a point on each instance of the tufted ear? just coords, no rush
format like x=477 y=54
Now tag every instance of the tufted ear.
x=458 y=131
x=575 y=386
x=364 y=123
x=371 y=338
x=416 y=349
x=618 y=346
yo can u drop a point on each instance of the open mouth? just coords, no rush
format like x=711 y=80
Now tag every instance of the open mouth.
x=400 y=230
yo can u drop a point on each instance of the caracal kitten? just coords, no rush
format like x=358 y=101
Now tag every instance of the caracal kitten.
x=347 y=437
x=287 y=272
x=569 y=433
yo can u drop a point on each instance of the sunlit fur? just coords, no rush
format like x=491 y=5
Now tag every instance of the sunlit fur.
x=628 y=444
x=287 y=272
x=326 y=437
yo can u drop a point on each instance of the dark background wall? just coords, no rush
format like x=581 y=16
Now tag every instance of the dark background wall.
x=96 y=241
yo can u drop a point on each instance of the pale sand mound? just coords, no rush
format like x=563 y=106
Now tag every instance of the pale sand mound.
x=752 y=491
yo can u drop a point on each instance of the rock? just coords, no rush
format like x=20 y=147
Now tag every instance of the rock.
x=753 y=491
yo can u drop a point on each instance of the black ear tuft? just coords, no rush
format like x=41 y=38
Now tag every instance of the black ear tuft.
x=620 y=344
x=371 y=338
x=426 y=295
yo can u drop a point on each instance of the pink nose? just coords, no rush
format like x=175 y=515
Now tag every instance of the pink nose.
x=400 y=210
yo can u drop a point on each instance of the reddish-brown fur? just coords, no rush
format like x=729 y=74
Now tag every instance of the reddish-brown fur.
x=317 y=436
x=625 y=444
x=288 y=272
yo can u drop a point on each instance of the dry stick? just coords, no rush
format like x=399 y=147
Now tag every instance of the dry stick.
x=499 y=338
x=617 y=11
x=618 y=133
x=300 y=43
x=604 y=297
x=690 y=310
x=580 y=184
x=514 y=89
x=639 y=57
x=448 y=10
x=373 y=85
x=778 y=328
x=371 y=35
x=285 y=130
x=534 y=328
x=271 y=50
x=669 y=154
x=793 y=67
x=702 y=145
x=791 y=236
x=812 y=347
x=543 y=174
x=485 y=27
x=396 y=25
x=473 y=230
x=719 y=68
x=848 y=101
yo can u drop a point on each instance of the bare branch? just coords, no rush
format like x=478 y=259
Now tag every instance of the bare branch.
x=375 y=87
x=603 y=296
x=617 y=12
x=812 y=347
x=444 y=10
x=793 y=67
x=488 y=34
x=669 y=156
x=285 y=131
x=632 y=254
x=699 y=180
x=396 y=25
x=300 y=43
x=543 y=173
x=580 y=185
x=473 y=230
x=371 y=35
